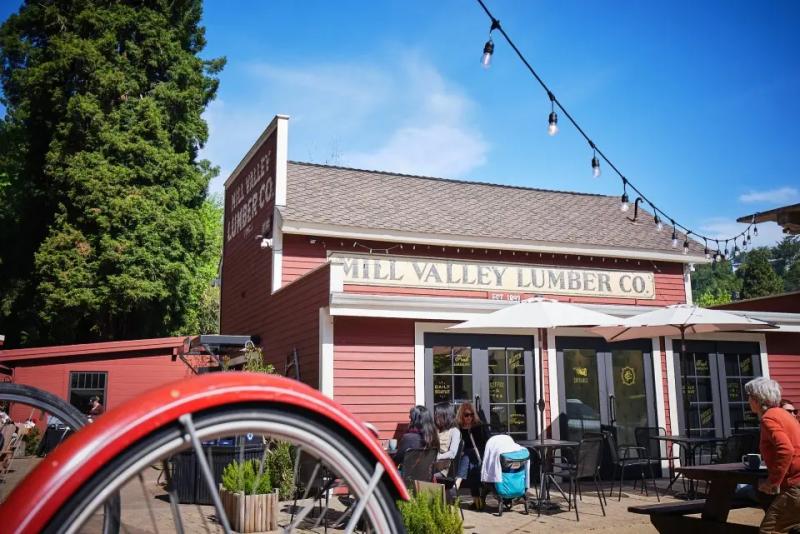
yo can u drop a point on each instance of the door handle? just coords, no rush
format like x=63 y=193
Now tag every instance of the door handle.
x=612 y=408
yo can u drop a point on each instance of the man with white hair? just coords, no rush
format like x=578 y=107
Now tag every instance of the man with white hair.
x=780 y=449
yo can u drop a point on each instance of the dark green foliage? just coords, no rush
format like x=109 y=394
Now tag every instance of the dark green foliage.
x=32 y=440
x=714 y=284
x=106 y=230
x=277 y=473
x=244 y=477
x=426 y=512
x=758 y=277
x=761 y=272
x=280 y=463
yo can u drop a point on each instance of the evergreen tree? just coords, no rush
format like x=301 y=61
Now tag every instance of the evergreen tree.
x=714 y=284
x=791 y=282
x=105 y=228
x=758 y=277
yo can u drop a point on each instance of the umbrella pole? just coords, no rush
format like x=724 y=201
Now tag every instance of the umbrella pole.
x=541 y=403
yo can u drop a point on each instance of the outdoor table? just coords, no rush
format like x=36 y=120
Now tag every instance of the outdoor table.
x=690 y=446
x=723 y=479
x=545 y=449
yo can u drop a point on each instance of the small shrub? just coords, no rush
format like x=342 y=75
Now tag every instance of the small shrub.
x=31 y=440
x=280 y=464
x=426 y=513
x=241 y=477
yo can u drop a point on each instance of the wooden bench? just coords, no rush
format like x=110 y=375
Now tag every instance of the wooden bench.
x=675 y=517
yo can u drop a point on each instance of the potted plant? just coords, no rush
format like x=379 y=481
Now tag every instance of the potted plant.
x=248 y=497
x=427 y=512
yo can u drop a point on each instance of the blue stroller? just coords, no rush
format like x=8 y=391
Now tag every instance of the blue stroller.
x=513 y=486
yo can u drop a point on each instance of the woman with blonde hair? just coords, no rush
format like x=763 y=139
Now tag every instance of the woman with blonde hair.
x=475 y=436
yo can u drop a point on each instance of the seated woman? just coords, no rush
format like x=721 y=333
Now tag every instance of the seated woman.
x=474 y=434
x=449 y=435
x=780 y=449
x=421 y=433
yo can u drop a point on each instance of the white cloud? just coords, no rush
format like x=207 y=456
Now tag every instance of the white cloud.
x=769 y=234
x=398 y=116
x=782 y=195
x=435 y=138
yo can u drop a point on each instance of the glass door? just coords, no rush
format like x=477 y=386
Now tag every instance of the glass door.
x=628 y=392
x=580 y=407
x=495 y=373
x=604 y=386
x=712 y=375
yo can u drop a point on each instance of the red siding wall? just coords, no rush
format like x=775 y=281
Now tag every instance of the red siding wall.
x=373 y=372
x=665 y=386
x=290 y=319
x=127 y=376
x=246 y=267
x=788 y=303
x=784 y=363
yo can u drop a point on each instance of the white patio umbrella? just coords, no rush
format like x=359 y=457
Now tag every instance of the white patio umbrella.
x=679 y=319
x=532 y=315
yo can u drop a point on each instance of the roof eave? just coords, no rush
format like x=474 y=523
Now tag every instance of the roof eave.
x=448 y=240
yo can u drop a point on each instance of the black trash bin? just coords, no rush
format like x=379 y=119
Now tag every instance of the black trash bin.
x=187 y=478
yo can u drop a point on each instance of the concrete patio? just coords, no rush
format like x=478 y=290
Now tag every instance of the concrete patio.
x=146 y=509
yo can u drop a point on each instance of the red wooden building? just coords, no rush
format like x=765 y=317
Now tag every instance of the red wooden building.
x=114 y=371
x=359 y=273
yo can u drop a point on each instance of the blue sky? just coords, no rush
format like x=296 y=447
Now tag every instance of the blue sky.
x=696 y=102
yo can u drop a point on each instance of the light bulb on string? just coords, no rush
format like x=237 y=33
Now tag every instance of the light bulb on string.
x=659 y=224
x=488 y=50
x=686 y=246
x=705 y=250
x=674 y=235
x=595 y=166
x=552 y=120
x=624 y=199
x=755 y=230
x=726 y=248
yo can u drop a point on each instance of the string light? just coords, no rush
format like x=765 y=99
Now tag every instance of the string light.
x=705 y=251
x=488 y=50
x=674 y=235
x=624 y=199
x=597 y=154
x=659 y=224
x=595 y=162
x=686 y=245
x=552 y=120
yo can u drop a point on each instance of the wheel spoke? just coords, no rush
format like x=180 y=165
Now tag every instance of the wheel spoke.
x=148 y=503
x=362 y=501
x=188 y=424
x=173 y=499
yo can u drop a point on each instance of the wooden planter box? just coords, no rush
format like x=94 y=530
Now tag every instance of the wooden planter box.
x=251 y=513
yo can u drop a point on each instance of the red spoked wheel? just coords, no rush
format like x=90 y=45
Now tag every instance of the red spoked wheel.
x=339 y=475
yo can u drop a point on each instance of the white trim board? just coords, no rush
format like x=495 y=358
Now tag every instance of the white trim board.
x=326 y=352
x=253 y=149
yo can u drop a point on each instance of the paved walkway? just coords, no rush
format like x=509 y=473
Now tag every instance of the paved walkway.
x=146 y=507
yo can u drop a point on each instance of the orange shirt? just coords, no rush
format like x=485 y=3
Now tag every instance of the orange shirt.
x=780 y=447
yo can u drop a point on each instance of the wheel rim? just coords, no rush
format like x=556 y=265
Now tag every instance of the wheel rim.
x=360 y=478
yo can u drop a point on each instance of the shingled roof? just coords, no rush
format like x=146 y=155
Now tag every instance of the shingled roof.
x=345 y=197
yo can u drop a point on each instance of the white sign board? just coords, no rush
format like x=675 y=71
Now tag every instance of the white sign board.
x=474 y=275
